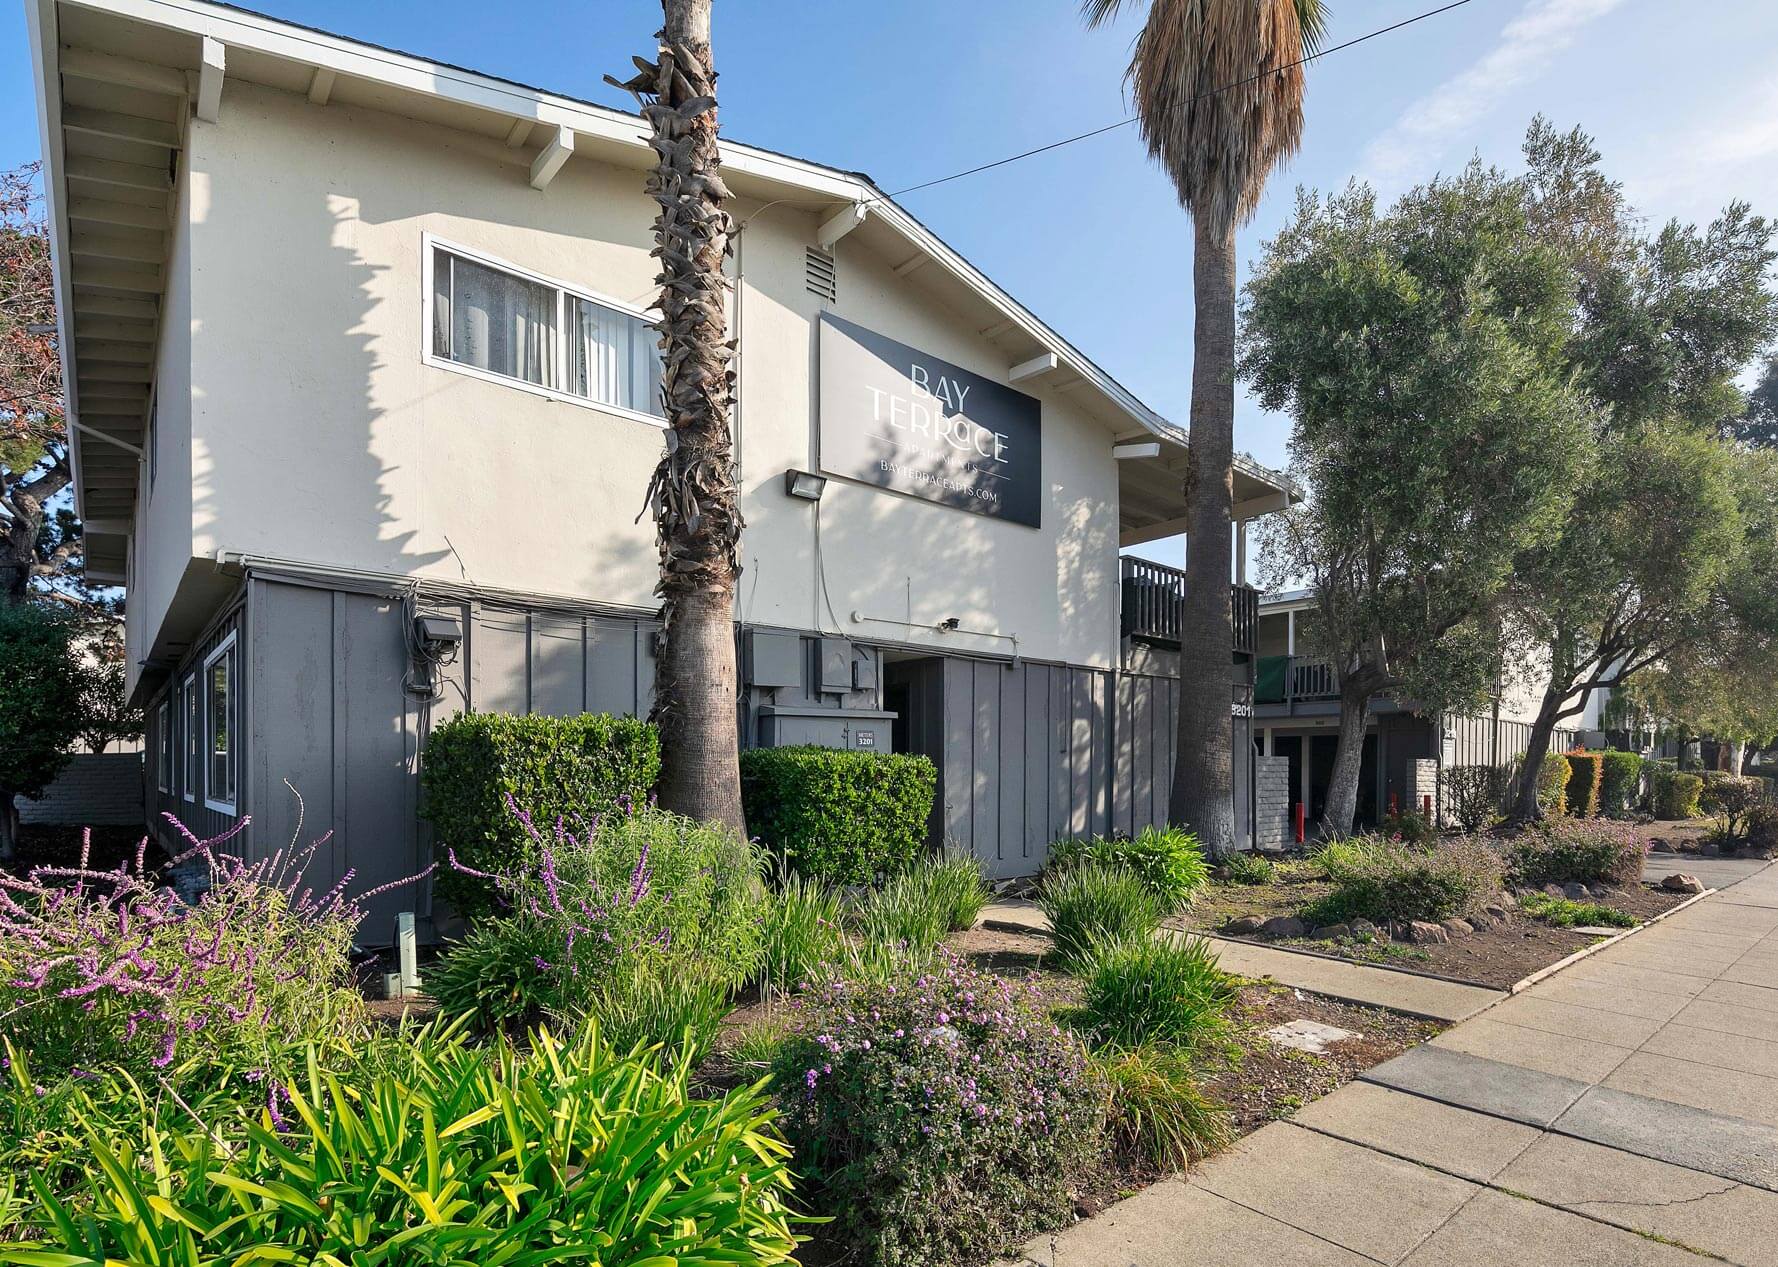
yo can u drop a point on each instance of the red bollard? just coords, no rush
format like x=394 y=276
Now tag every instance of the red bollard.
x=1394 y=806
x=1302 y=822
x=1426 y=807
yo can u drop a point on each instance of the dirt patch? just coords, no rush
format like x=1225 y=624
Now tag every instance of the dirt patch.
x=1497 y=956
x=1264 y=1081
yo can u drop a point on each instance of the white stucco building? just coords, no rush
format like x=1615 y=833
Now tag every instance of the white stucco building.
x=352 y=337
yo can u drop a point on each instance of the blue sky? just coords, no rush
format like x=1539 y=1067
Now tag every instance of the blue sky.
x=1683 y=97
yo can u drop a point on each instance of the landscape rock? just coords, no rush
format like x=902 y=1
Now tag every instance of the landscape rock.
x=1481 y=921
x=1364 y=928
x=1660 y=846
x=1243 y=925
x=1495 y=912
x=1708 y=849
x=1422 y=931
x=1576 y=892
x=1332 y=932
x=1283 y=926
x=1679 y=882
x=1457 y=927
x=1554 y=890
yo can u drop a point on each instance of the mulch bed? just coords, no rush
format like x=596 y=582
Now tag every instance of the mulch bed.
x=1496 y=957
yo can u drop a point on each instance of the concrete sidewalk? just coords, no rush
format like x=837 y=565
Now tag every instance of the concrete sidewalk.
x=1621 y=1113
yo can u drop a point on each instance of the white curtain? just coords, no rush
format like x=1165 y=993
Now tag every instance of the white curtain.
x=612 y=357
x=494 y=321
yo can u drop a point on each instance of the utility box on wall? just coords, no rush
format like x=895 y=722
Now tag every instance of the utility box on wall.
x=858 y=729
x=774 y=659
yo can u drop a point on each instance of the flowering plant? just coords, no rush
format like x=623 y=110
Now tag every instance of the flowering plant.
x=1581 y=850
x=103 y=969
x=602 y=900
x=944 y=1114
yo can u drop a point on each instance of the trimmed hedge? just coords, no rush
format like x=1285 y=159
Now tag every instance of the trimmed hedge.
x=843 y=816
x=1674 y=794
x=1620 y=782
x=1586 y=778
x=1552 y=784
x=552 y=767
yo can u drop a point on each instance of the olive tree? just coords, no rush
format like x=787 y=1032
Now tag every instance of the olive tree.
x=40 y=706
x=1420 y=353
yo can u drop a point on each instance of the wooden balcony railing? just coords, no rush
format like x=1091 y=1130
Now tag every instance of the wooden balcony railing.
x=1153 y=596
x=1284 y=679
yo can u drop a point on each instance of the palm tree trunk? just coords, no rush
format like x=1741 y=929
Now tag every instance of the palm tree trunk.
x=693 y=494
x=1203 y=775
x=1342 y=788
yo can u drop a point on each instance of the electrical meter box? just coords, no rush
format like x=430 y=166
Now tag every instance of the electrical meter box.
x=860 y=729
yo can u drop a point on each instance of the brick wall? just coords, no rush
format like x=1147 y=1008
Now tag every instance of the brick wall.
x=95 y=790
x=1425 y=785
x=1271 y=802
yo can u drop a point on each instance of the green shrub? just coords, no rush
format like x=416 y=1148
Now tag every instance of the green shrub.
x=1474 y=794
x=1620 y=782
x=633 y=887
x=1246 y=867
x=1093 y=904
x=1576 y=851
x=1563 y=913
x=40 y=700
x=1730 y=797
x=802 y=936
x=943 y=1116
x=1411 y=827
x=467 y=1156
x=1384 y=881
x=1552 y=784
x=1156 y=1113
x=476 y=766
x=1169 y=860
x=846 y=817
x=1674 y=794
x=1761 y=827
x=1586 y=780
x=1156 y=989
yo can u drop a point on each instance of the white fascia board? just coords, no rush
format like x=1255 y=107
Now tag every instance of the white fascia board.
x=40 y=20
x=398 y=70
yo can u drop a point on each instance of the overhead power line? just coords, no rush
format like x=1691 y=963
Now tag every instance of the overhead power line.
x=1124 y=123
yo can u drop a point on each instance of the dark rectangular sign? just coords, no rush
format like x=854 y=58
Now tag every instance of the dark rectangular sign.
x=898 y=418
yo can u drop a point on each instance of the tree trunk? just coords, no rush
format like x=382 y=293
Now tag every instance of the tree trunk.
x=1342 y=788
x=1526 y=808
x=693 y=493
x=9 y=826
x=1737 y=755
x=18 y=546
x=1203 y=770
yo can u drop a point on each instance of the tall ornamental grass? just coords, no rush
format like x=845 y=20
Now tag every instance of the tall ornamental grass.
x=1091 y=905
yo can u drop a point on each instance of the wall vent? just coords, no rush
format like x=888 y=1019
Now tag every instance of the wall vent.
x=820 y=274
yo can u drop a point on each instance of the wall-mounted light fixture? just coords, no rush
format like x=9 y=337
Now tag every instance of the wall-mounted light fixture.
x=950 y=623
x=805 y=485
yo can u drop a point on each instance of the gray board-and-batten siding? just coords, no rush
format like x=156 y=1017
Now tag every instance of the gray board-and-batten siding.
x=1027 y=751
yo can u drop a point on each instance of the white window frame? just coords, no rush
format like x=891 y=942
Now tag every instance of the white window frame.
x=207 y=748
x=191 y=754
x=431 y=245
x=163 y=749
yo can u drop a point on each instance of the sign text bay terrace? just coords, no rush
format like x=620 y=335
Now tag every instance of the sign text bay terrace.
x=902 y=419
